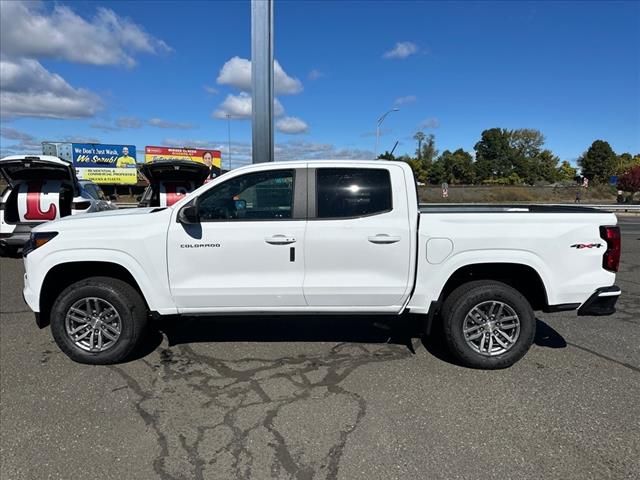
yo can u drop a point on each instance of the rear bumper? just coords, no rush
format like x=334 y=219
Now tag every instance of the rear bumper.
x=602 y=302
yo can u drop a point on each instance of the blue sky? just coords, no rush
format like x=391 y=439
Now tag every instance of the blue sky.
x=156 y=73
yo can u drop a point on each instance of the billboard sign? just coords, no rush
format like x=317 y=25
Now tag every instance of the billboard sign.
x=212 y=158
x=106 y=164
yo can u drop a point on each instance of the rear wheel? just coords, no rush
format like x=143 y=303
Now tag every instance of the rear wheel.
x=98 y=321
x=488 y=324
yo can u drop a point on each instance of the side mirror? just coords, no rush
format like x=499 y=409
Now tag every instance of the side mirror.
x=189 y=214
x=113 y=198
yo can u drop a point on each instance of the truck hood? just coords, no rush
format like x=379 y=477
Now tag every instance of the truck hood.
x=130 y=217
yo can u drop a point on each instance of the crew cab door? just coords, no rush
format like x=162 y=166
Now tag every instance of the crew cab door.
x=247 y=250
x=358 y=243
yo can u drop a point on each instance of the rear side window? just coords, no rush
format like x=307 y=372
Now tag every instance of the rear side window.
x=352 y=192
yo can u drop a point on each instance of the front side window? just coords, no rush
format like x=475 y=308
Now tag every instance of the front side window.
x=264 y=195
x=352 y=192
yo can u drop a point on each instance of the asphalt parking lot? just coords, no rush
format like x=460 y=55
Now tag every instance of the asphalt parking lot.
x=323 y=398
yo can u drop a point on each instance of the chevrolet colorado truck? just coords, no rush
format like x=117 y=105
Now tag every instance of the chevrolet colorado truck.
x=328 y=237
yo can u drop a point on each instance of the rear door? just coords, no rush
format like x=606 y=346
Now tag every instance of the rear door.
x=358 y=245
x=247 y=251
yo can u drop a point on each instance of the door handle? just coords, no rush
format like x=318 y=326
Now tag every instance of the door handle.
x=383 y=239
x=280 y=240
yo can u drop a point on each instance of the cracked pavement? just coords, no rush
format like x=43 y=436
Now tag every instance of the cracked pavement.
x=323 y=398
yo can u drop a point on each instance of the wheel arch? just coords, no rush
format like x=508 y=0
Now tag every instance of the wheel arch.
x=522 y=277
x=62 y=275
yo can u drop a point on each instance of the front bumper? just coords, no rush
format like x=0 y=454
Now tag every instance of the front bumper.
x=602 y=302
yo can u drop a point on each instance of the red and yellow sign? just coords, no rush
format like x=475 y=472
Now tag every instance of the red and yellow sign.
x=208 y=157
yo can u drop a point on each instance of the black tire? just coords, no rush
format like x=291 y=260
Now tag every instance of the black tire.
x=463 y=299
x=125 y=300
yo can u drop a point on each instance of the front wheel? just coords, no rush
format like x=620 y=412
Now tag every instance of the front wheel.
x=488 y=324
x=98 y=321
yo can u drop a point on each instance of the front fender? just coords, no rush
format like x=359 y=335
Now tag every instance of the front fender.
x=154 y=285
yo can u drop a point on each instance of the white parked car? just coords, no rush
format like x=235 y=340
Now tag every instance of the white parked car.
x=40 y=189
x=324 y=237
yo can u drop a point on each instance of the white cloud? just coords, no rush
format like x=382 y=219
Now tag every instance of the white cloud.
x=26 y=143
x=405 y=100
x=210 y=90
x=30 y=30
x=291 y=125
x=401 y=50
x=429 y=123
x=239 y=107
x=237 y=73
x=315 y=74
x=160 y=123
x=27 y=89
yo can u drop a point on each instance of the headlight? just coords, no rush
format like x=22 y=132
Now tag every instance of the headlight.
x=36 y=240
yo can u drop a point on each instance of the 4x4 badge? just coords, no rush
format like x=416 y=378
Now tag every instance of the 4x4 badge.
x=580 y=246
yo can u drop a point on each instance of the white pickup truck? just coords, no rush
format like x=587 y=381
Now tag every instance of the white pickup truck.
x=327 y=237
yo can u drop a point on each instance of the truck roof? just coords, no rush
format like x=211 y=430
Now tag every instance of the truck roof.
x=300 y=163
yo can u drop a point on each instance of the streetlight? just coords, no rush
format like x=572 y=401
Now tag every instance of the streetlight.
x=380 y=120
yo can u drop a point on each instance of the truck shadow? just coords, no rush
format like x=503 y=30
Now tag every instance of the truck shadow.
x=312 y=328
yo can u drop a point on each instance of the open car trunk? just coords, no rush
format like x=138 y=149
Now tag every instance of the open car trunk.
x=42 y=188
x=171 y=180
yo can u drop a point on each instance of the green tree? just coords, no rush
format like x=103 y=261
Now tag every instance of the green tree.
x=436 y=174
x=419 y=137
x=545 y=166
x=625 y=162
x=525 y=155
x=429 y=151
x=386 y=156
x=565 y=172
x=457 y=166
x=493 y=154
x=599 y=162
x=419 y=172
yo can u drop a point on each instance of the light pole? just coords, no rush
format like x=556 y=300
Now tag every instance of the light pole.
x=229 y=133
x=380 y=120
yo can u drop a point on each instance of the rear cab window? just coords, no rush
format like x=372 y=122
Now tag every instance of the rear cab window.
x=352 y=192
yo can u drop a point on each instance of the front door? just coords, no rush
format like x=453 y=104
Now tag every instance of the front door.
x=247 y=251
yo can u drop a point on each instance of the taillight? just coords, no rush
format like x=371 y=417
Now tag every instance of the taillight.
x=611 y=258
x=81 y=205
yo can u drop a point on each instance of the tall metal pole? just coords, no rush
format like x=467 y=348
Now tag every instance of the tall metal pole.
x=229 y=132
x=380 y=120
x=262 y=80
